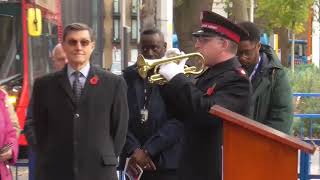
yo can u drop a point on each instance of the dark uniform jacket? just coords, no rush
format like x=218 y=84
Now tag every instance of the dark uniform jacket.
x=272 y=95
x=230 y=88
x=79 y=142
x=161 y=135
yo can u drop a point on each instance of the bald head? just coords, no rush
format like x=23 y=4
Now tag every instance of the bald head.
x=59 y=58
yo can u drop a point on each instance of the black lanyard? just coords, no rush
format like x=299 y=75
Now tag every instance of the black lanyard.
x=144 y=112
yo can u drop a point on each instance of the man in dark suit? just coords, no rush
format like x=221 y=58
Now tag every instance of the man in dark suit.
x=224 y=83
x=80 y=115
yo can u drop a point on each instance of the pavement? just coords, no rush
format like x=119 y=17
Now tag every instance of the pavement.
x=22 y=172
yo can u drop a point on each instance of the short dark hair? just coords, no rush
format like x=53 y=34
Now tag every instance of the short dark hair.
x=252 y=29
x=78 y=27
x=152 y=31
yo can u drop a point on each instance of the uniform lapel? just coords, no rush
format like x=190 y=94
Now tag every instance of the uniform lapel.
x=65 y=83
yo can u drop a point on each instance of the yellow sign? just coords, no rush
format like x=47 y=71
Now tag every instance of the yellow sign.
x=34 y=19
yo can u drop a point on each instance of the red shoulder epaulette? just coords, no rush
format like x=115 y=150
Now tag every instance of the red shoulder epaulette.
x=241 y=71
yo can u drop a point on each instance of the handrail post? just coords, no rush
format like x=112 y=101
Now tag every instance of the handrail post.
x=304 y=166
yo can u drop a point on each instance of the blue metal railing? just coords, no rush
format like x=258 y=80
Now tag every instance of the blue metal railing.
x=307 y=94
x=305 y=160
x=305 y=163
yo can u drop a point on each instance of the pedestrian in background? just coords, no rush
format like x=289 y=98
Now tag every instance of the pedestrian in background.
x=271 y=101
x=8 y=139
x=59 y=58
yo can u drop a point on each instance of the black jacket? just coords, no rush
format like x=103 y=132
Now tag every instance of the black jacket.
x=161 y=135
x=228 y=87
x=79 y=142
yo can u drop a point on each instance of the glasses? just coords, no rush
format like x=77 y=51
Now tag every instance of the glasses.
x=73 y=42
x=204 y=39
x=247 y=52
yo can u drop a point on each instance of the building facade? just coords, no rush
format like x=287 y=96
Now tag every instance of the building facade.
x=88 y=12
x=112 y=33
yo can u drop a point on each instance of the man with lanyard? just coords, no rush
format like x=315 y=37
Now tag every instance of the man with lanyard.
x=272 y=97
x=154 y=138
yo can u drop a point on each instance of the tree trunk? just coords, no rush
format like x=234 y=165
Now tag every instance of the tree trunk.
x=186 y=18
x=284 y=45
x=148 y=14
x=239 y=11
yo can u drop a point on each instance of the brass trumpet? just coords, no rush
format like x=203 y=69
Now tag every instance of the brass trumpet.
x=145 y=65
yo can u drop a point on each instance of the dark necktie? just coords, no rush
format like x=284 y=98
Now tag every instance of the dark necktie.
x=76 y=86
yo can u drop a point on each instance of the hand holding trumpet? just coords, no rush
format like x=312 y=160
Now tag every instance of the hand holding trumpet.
x=171 y=69
x=172 y=64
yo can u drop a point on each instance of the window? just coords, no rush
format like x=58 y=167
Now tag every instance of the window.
x=134 y=20
x=10 y=58
x=134 y=29
x=116 y=30
x=40 y=48
x=116 y=20
x=116 y=6
x=135 y=6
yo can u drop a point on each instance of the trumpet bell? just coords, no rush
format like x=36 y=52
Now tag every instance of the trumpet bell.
x=145 y=65
x=142 y=66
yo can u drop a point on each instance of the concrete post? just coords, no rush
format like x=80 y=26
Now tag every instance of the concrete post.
x=122 y=32
x=315 y=34
x=164 y=20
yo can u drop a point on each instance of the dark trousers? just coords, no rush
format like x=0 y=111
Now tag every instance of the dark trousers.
x=160 y=175
x=32 y=161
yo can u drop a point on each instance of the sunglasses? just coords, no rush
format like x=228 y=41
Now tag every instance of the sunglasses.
x=73 y=42
x=205 y=39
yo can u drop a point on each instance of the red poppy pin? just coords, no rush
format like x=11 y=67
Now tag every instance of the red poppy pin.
x=210 y=90
x=94 y=80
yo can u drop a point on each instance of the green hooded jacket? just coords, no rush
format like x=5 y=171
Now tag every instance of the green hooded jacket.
x=272 y=95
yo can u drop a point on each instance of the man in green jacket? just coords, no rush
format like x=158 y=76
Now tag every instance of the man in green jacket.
x=272 y=97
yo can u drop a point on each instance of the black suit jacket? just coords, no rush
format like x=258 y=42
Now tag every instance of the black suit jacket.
x=161 y=135
x=79 y=142
x=230 y=88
